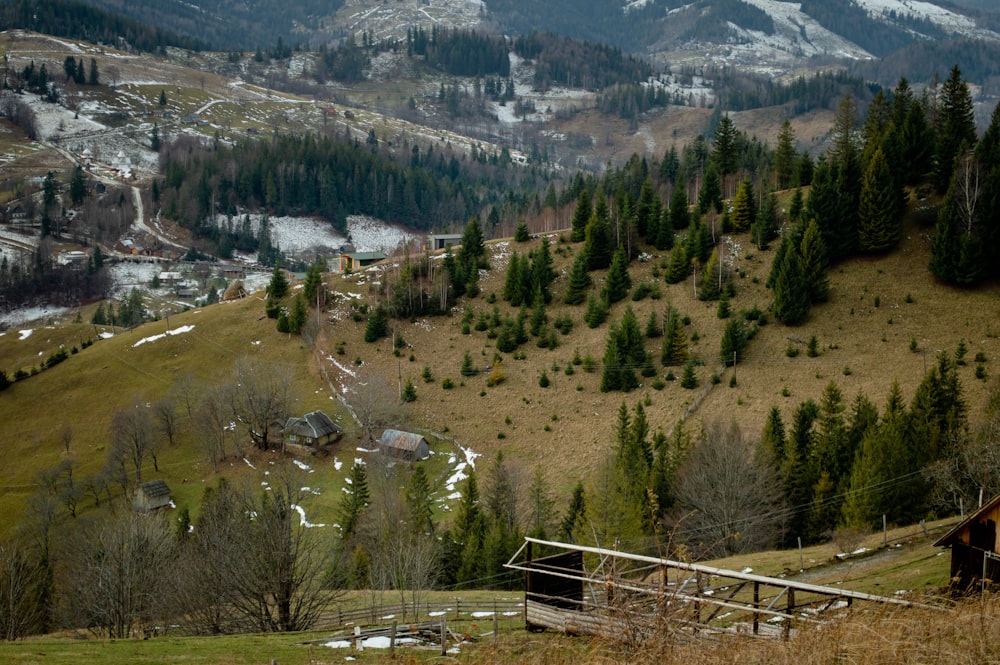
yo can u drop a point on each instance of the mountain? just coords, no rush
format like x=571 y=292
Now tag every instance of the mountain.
x=767 y=36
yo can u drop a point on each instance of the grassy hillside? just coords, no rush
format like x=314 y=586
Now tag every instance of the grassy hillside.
x=877 y=308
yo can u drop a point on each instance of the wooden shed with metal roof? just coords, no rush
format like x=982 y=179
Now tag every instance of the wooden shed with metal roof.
x=404 y=445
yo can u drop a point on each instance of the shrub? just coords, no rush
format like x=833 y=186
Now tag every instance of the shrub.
x=409 y=391
x=792 y=351
x=689 y=380
x=812 y=349
x=426 y=375
x=658 y=384
x=543 y=380
x=981 y=372
x=980 y=357
x=447 y=383
x=468 y=369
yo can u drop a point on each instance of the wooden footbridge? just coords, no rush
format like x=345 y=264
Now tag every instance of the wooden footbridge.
x=606 y=592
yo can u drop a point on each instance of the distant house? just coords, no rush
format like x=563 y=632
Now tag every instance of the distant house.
x=72 y=258
x=404 y=445
x=313 y=430
x=151 y=496
x=232 y=272
x=975 y=550
x=437 y=241
x=170 y=277
x=356 y=260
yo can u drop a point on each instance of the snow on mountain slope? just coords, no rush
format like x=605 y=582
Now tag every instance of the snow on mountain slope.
x=798 y=37
x=942 y=17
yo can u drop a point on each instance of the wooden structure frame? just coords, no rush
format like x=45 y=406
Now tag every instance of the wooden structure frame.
x=598 y=591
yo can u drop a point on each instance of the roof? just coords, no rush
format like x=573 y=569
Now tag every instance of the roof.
x=155 y=488
x=366 y=256
x=949 y=538
x=394 y=438
x=313 y=425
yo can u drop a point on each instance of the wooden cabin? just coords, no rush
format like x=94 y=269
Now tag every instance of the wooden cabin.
x=975 y=550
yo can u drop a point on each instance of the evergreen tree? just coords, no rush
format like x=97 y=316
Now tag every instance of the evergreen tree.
x=298 y=316
x=598 y=245
x=513 y=286
x=956 y=125
x=813 y=264
x=664 y=237
x=785 y=156
x=724 y=151
x=679 y=266
x=674 y=350
x=419 y=501
x=796 y=472
x=521 y=233
x=353 y=503
x=710 y=193
x=597 y=311
x=796 y=207
x=645 y=211
x=680 y=218
x=581 y=215
x=712 y=279
x=653 y=328
x=879 y=227
x=579 y=280
x=77 y=186
x=791 y=295
x=277 y=288
x=94 y=78
x=742 y=217
x=542 y=272
x=574 y=521
x=377 y=325
x=773 y=441
x=765 y=228
x=734 y=342
x=618 y=283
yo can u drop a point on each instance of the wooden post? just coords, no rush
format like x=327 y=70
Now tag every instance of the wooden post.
x=802 y=564
x=791 y=608
x=392 y=639
x=756 y=605
x=885 y=532
x=496 y=624
x=458 y=608
x=444 y=633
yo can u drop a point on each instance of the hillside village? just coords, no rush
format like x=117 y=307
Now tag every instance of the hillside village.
x=569 y=343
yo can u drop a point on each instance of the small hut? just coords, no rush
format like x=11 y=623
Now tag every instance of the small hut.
x=975 y=550
x=313 y=430
x=151 y=496
x=404 y=445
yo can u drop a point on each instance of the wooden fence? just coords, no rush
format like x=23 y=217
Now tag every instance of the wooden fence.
x=453 y=610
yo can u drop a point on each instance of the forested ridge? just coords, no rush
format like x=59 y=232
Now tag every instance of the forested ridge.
x=79 y=20
x=333 y=177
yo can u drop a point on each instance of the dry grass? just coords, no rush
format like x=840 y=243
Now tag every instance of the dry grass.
x=566 y=427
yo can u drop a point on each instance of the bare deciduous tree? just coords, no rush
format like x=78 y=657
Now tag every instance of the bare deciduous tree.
x=114 y=583
x=165 y=412
x=216 y=422
x=132 y=438
x=375 y=403
x=729 y=501
x=20 y=577
x=257 y=564
x=261 y=398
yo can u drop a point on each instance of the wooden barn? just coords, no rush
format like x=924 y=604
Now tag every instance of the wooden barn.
x=313 y=430
x=151 y=496
x=975 y=551
x=404 y=445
